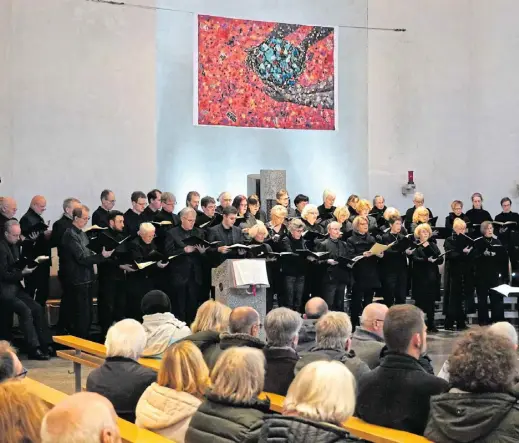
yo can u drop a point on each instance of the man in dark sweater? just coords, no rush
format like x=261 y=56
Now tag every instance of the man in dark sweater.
x=133 y=217
x=397 y=393
x=100 y=215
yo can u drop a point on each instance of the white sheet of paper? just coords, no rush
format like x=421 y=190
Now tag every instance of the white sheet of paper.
x=506 y=290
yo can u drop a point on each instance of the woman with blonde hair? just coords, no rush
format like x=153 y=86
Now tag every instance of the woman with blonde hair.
x=364 y=208
x=341 y=215
x=277 y=230
x=426 y=276
x=22 y=414
x=320 y=399
x=232 y=411
x=456 y=212
x=166 y=407
x=420 y=216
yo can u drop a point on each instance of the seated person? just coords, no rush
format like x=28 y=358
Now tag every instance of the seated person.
x=81 y=418
x=333 y=342
x=10 y=365
x=315 y=308
x=161 y=327
x=397 y=393
x=121 y=379
x=368 y=338
x=232 y=411
x=167 y=406
x=479 y=406
x=319 y=400
x=282 y=329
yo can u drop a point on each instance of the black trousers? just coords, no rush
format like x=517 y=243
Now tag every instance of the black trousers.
x=394 y=287
x=313 y=283
x=333 y=292
x=360 y=297
x=136 y=288
x=111 y=302
x=32 y=317
x=37 y=284
x=461 y=286
x=65 y=312
x=81 y=301
x=294 y=287
x=185 y=297
x=497 y=308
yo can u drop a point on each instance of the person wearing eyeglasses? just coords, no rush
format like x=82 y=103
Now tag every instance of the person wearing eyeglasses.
x=133 y=217
x=10 y=365
x=168 y=202
x=283 y=199
x=100 y=215
x=368 y=339
x=78 y=265
x=225 y=200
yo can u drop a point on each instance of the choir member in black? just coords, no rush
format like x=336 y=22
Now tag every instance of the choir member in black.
x=193 y=201
x=508 y=234
x=293 y=268
x=336 y=277
x=426 y=276
x=140 y=282
x=258 y=233
x=379 y=206
x=351 y=203
x=283 y=199
x=37 y=244
x=168 y=202
x=240 y=203
x=309 y=217
x=227 y=234
x=79 y=263
x=13 y=298
x=365 y=271
x=327 y=209
x=225 y=200
x=457 y=212
x=421 y=216
x=154 y=204
x=186 y=271
x=391 y=214
x=477 y=215
x=255 y=208
x=208 y=205
x=363 y=208
x=8 y=208
x=300 y=202
x=133 y=217
x=58 y=229
x=111 y=297
x=393 y=266
x=100 y=215
x=418 y=201
x=342 y=215
x=459 y=266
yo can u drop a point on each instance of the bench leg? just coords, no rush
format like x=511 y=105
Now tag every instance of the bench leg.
x=77 y=373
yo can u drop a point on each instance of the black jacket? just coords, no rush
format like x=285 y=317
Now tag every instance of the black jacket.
x=222 y=420
x=148 y=215
x=132 y=222
x=3 y=221
x=426 y=275
x=100 y=217
x=488 y=268
x=187 y=266
x=292 y=265
x=167 y=216
x=77 y=260
x=476 y=217
x=122 y=381
x=40 y=246
x=280 y=369
x=460 y=417
x=336 y=249
x=10 y=277
x=138 y=251
x=218 y=233
x=449 y=220
x=324 y=213
x=228 y=340
x=109 y=269
x=365 y=272
x=408 y=219
x=58 y=229
x=307 y=335
x=284 y=429
x=206 y=341
x=397 y=394
x=393 y=261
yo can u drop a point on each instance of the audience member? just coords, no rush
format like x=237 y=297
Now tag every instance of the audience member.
x=319 y=400
x=315 y=308
x=479 y=406
x=333 y=342
x=368 y=338
x=10 y=365
x=232 y=411
x=166 y=407
x=161 y=327
x=22 y=413
x=397 y=393
x=121 y=379
x=282 y=329
x=244 y=328
x=81 y=418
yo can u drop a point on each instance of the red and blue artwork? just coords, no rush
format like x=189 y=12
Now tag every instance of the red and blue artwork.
x=265 y=75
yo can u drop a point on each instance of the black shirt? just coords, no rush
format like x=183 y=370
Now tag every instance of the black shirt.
x=100 y=217
x=148 y=215
x=132 y=222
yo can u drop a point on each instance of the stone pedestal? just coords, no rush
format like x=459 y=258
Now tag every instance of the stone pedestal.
x=271 y=181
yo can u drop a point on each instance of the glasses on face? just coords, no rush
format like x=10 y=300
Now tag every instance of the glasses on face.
x=85 y=218
x=111 y=201
x=457 y=208
x=210 y=207
x=22 y=374
x=169 y=203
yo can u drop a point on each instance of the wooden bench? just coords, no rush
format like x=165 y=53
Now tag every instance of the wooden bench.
x=130 y=433
x=92 y=354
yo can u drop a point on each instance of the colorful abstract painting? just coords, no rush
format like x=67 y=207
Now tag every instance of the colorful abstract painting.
x=265 y=75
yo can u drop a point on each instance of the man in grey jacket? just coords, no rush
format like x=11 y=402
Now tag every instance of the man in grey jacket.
x=315 y=308
x=368 y=338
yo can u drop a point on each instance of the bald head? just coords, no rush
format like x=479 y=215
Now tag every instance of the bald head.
x=244 y=320
x=372 y=318
x=81 y=418
x=38 y=204
x=8 y=207
x=315 y=308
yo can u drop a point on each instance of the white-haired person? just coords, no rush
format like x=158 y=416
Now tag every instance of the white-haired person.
x=141 y=282
x=426 y=276
x=310 y=215
x=232 y=410
x=121 y=379
x=379 y=206
x=418 y=201
x=327 y=209
x=365 y=271
x=320 y=399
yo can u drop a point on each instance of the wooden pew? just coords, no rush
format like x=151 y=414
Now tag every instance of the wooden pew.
x=130 y=433
x=357 y=427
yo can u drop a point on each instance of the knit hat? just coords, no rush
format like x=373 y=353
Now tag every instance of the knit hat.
x=155 y=302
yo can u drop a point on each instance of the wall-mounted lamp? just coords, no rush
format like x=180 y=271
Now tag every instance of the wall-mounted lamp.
x=410 y=187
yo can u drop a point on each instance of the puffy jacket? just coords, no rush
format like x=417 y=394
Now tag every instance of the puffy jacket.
x=161 y=331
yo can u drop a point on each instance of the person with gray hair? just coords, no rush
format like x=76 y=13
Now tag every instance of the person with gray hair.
x=282 y=329
x=168 y=202
x=418 y=201
x=327 y=209
x=8 y=208
x=81 y=418
x=121 y=379
x=333 y=342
